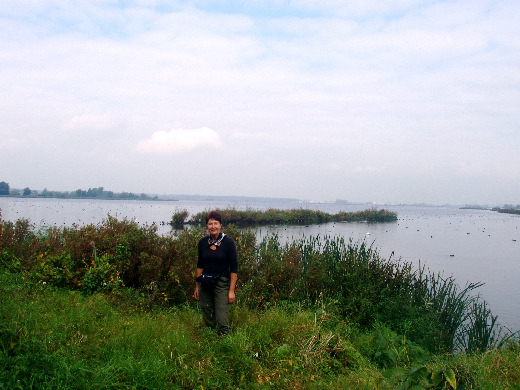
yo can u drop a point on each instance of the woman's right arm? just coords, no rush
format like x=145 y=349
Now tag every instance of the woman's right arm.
x=196 y=295
x=198 y=272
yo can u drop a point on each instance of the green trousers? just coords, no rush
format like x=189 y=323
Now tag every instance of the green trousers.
x=215 y=306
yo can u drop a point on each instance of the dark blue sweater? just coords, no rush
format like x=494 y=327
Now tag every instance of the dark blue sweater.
x=222 y=259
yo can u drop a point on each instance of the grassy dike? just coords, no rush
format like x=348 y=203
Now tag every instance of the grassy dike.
x=109 y=307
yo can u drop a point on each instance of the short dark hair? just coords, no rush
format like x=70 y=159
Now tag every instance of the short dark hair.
x=214 y=215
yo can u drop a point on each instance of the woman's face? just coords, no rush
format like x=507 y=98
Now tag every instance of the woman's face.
x=214 y=227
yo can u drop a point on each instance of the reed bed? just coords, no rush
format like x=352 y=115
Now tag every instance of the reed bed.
x=509 y=211
x=292 y=216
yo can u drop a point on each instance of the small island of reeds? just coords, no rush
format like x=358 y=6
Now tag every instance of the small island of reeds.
x=273 y=216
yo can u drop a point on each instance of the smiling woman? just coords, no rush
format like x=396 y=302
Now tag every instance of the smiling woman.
x=216 y=275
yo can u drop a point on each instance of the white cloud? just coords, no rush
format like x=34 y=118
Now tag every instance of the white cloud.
x=11 y=143
x=179 y=140
x=87 y=123
x=334 y=167
x=367 y=169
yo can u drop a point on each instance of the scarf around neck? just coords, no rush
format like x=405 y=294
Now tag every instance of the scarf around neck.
x=217 y=241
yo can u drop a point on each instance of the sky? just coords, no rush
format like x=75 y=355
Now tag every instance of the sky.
x=396 y=101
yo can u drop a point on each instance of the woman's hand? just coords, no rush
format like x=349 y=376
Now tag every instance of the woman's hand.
x=232 y=287
x=231 y=296
x=198 y=272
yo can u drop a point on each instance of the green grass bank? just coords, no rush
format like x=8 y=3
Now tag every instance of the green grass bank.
x=53 y=338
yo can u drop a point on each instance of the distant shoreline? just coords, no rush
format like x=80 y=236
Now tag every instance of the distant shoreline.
x=235 y=198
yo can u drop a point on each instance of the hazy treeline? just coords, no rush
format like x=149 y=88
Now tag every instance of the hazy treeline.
x=91 y=193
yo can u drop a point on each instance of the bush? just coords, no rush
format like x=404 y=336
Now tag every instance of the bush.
x=179 y=218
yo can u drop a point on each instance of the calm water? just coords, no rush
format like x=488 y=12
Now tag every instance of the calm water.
x=471 y=245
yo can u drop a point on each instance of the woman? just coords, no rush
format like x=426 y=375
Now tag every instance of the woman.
x=217 y=259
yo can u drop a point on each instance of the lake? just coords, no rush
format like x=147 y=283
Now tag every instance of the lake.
x=472 y=245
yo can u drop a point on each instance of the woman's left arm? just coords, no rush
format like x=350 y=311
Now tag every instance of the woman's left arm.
x=232 y=286
x=233 y=271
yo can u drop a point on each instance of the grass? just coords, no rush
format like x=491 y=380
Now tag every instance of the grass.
x=53 y=338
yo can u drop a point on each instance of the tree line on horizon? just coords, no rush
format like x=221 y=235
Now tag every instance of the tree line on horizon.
x=91 y=193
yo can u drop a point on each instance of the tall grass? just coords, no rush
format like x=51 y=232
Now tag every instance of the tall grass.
x=430 y=309
x=55 y=338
